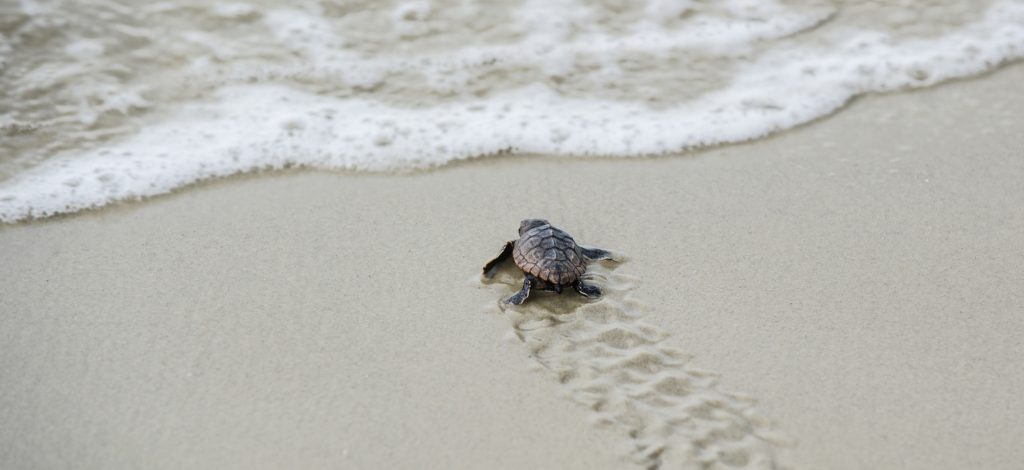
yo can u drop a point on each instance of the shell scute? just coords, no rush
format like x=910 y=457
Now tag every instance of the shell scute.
x=549 y=254
x=531 y=243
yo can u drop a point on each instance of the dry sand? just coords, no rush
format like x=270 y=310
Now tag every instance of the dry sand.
x=861 y=277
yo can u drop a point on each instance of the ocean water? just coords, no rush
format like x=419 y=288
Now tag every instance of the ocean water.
x=104 y=100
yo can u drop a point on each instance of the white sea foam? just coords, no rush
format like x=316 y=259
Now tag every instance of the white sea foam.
x=102 y=101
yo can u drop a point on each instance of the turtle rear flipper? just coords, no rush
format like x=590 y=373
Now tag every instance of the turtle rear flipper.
x=521 y=296
x=506 y=251
x=587 y=290
x=596 y=254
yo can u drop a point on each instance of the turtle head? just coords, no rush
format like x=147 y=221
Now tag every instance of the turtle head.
x=530 y=223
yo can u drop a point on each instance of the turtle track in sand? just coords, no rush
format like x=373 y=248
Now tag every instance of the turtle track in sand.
x=607 y=359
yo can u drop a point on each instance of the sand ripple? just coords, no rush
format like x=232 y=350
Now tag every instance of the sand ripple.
x=609 y=360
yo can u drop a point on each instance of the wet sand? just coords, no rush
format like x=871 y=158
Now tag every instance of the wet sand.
x=860 y=277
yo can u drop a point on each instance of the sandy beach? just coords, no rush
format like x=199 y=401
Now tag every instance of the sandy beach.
x=860 y=277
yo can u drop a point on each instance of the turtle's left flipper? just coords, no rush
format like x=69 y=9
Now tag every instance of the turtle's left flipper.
x=597 y=254
x=506 y=251
x=521 y=296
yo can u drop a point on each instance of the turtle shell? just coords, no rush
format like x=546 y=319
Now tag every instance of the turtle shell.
x=549 y=254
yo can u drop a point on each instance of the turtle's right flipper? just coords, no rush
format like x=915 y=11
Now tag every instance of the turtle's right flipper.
x=587 y=290
x=597 y=253
x=506 y=251
x=521 y=296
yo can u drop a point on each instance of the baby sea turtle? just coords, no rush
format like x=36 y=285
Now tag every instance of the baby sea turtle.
x=550 y=258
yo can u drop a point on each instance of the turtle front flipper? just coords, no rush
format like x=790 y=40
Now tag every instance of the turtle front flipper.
x=506 y=251
x=521 y=296
x=587 y=290
x=596 y=254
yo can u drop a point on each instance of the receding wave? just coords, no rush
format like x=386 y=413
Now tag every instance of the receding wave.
x=103 y=101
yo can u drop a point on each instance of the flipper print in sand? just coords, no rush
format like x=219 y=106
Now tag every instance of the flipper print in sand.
x=610 y=361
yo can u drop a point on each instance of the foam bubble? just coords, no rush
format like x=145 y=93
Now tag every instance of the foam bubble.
x=182 y=91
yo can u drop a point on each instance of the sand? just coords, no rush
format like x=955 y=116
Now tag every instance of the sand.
x=860 y=277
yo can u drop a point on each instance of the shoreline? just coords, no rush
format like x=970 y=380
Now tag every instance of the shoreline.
x=697 y=151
